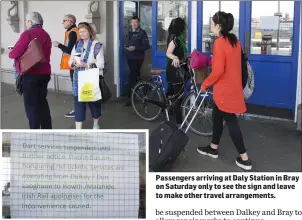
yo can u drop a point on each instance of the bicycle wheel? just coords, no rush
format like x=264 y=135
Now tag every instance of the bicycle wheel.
x=203 y=122
x=142 y=91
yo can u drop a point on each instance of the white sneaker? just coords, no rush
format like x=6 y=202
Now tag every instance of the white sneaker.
x=96 y=127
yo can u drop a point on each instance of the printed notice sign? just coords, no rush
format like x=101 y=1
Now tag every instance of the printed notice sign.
x=74 y=175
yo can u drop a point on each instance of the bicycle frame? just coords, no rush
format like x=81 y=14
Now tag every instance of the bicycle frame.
x=167 y=103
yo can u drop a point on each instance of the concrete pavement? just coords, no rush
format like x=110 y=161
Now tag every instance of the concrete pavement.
x=273 y=146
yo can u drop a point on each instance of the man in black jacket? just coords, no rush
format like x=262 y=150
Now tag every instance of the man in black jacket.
x=71 y=37
x=138 y=43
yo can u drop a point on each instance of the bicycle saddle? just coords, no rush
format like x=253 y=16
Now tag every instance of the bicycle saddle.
x=157 y=71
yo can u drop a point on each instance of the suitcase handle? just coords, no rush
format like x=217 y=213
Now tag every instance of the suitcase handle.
x=160 y=147
x=182 y=124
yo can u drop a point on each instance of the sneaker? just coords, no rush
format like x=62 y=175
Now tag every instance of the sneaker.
x=244 y=164
x=208 y=151
x=96 y=127
x=70 y=114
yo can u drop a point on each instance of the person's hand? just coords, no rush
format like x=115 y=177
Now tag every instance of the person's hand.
x=55 y=43
x=74 y=62
x=175 y=62
x=82 y=64
x=131 y=48
x=203 y=89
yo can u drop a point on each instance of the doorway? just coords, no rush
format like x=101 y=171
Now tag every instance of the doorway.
x=128 y=9
x=163 y=13
x=275 y=69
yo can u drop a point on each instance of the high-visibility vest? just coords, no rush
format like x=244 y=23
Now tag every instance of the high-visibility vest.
x=66 y=56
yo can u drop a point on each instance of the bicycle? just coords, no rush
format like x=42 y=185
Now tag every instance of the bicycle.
x=151 y=94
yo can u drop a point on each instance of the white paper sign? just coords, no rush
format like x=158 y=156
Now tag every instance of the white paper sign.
x=269 y=22
x=74 y=175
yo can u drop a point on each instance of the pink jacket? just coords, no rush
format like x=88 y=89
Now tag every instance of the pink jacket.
x=22 y=44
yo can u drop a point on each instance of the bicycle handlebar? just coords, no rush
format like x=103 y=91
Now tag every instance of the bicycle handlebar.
x=181 y=63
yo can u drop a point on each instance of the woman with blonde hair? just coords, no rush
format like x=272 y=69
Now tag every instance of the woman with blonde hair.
x=91 y=54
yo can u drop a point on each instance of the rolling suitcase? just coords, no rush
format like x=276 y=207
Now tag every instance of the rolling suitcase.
x=167 y=141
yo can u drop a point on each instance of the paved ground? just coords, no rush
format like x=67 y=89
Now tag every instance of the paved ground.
x=273 y=146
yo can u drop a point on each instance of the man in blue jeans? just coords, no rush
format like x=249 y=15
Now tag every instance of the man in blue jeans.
x=138 y=43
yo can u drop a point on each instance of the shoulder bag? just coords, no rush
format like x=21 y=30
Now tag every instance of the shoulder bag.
x=33 y=56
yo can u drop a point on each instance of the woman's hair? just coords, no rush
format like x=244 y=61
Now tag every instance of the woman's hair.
x=35 y=18
x=89 y=28
x=177 y=26
x=226 y=23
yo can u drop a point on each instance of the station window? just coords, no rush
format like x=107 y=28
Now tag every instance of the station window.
x=129 y=12
x=275 y=41
x=169 y=11
x=209 y=9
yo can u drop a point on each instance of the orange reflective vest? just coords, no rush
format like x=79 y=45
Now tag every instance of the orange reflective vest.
x=65 y=56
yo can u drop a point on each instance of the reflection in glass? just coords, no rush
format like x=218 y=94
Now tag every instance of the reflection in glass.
x=209 y=9
x=233 y=8
x=279 y=40
x=166 y=12
x=145 y=8
x=129 y=12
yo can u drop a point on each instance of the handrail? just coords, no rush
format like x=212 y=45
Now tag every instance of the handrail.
x=54 y=75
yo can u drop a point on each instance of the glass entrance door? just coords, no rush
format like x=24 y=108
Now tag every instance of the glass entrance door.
x=271 y=35
x=205 y=11
x=163 y=13
x=128 y=9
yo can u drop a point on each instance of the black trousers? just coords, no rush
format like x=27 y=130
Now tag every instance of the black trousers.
x=174 y=89
x=71 y=75
x=234 y=129
x=35 y=102
x=135 y=67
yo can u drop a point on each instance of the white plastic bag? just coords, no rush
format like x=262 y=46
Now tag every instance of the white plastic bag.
x=88 y=85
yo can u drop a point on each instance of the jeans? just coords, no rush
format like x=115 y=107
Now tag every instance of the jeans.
x=80 y=109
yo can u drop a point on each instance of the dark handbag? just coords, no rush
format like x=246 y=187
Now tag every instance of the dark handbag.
x=106 y=93
x=18 y=84
x=33 y=56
